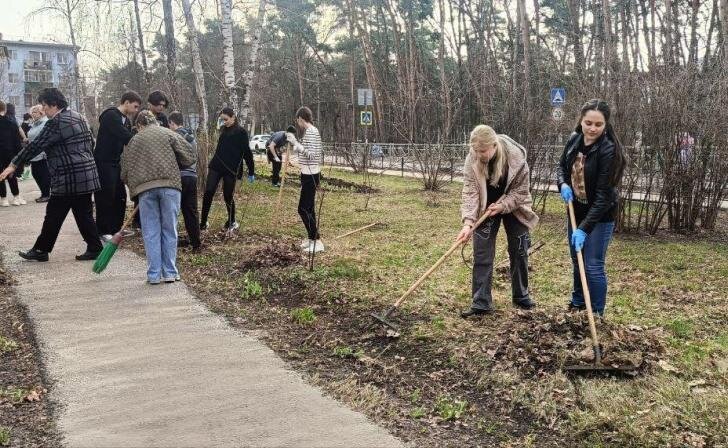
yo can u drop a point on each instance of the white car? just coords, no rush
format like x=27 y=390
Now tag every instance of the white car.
x=257 y=143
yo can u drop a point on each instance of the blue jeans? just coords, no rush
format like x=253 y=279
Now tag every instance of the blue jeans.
x=158 y=209
x=594 y=253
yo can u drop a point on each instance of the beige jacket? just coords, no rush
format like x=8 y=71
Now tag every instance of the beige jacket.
x=153 y=158
x=516 y=198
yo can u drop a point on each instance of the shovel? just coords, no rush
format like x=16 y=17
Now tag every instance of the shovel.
x=597 y=366
x=383 y=318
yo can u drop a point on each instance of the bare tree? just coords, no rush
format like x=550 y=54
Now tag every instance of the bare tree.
x=252 y=62
x=228 y=59
x=170 y=48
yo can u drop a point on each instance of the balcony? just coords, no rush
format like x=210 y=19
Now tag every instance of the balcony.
x=37 y=65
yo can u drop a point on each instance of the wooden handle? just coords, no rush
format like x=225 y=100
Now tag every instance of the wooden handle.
x=130 y=218
x=356 y=230
x=452 y=249
x=584 y=285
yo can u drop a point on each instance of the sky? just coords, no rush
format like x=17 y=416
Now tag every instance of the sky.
x=15 y=25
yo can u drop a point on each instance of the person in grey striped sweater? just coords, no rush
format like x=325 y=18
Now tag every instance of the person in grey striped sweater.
x=309 y=154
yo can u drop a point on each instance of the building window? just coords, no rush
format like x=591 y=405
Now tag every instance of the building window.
x=28 y=100
x=38 y=76
x=13 y=54
x=39 y=56
x=14 y=100
x=62 y=58
x=13 y=78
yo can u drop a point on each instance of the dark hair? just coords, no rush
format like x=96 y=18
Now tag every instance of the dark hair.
x=2 y=106
x=291 y=129
x=130 y=97
x=10 y=110
x=615 y=175
x=52 y=97
x=305 y=113
x=157 y=97
x=230 y=113
x=27 y=116
x=177 y=118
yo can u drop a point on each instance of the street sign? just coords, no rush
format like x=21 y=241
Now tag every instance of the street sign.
x=557 y=114
x=366 y=118
x=558 y=96
x=365 y=97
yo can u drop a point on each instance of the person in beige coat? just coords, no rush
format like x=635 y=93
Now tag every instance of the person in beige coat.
x=496 y=181
x=150 y=167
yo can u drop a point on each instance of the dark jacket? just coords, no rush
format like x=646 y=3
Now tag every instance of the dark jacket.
x=601 y=196
x=189 y=137
x=114 y=134
x=10 y=143
x=162 y=119
x=68 y=143
x=233 y=147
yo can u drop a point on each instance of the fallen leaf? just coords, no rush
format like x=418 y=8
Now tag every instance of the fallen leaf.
x=664 y=365
x=33 y=396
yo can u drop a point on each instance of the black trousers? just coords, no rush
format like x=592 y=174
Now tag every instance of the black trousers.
x=189 y=209
x=42 y=176
x=228 y=188
x=307 y=204
x=56 y=211
x=484 y=238
x=13 y=181
x=110 y=199
x=276 y=176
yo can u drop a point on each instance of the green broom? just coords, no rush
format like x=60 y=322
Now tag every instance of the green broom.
x=110 y=247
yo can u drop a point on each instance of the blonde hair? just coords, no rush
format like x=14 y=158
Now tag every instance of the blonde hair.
x=38 y=108
x=145 y=118
x=485 y=135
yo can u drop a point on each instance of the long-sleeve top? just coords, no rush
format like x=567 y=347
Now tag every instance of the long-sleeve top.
x=309 y=151
x=10 y=143
x=34 y=132
x=114 y=134
x=233 y=147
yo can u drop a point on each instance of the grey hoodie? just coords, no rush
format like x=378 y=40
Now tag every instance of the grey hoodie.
x=189 y=136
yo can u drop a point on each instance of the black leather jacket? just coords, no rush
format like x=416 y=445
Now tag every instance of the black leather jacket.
x=603 y=197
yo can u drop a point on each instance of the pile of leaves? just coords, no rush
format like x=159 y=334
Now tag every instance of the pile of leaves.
x=346 y=185
x=273 y=253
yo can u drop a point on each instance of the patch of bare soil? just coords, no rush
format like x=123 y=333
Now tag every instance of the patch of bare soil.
x=25 y=414
x=342 y=184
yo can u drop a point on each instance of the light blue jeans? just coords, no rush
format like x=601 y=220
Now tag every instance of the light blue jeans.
x=595 y=254
x=158 y=209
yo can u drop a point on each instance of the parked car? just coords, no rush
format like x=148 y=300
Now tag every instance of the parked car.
x=257 y=143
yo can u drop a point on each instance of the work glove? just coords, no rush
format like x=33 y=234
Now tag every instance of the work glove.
x=578 y=237
x=251 y=178
x=566 y=194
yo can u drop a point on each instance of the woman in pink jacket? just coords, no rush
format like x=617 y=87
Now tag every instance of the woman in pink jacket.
x=496 y=182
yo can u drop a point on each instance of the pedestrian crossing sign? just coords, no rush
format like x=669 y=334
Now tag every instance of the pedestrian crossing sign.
x=558 y=96
x=366 y=118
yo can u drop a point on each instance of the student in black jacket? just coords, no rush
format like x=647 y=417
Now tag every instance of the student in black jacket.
x=158 y=101
x=114 y=134
x=233 y=147
x=588 y=175
x=274 y=147
x=188 y=175
x=10 y=145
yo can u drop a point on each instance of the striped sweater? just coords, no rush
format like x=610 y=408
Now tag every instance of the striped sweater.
x=309 y=152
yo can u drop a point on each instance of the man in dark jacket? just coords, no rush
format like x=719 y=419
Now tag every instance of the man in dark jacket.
x=189 y=183
x=68 y=143
x=10 y=145
x=114 y=134
x=274 y=147
x=157 y=103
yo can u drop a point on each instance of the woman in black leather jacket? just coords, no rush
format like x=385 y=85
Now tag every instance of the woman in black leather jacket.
x=588 y=174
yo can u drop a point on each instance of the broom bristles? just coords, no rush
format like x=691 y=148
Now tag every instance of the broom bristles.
x=102 y=261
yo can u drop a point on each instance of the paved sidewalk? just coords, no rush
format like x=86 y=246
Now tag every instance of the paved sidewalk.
x=135 y=365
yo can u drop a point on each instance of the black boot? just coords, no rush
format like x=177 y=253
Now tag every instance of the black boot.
x=525 y=303
x=87 y=256
x=477 y=312
x=576 y=308
x=34 y=255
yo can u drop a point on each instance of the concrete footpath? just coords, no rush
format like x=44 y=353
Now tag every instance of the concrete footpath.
x=134 y=365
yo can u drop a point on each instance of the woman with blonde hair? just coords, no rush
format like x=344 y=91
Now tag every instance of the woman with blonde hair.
x=496 y=181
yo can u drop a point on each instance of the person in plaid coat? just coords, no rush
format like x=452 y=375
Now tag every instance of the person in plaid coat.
x=68 y=144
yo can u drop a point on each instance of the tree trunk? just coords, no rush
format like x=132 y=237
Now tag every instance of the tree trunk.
x=693 y=53
x=74 y=52
x=724 y=30
x=526 y=45
x=444 y=87
x=668 y=51
x=142 y=49
x=170 y=49
x=608 y=42
x=201 y=92
x=228 y=58
x=252 y=62
x=709 y=42
x=575 y=33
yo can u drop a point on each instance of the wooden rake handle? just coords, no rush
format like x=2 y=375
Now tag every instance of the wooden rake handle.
x=585 y=288
x=128 y=220
x=437 y=264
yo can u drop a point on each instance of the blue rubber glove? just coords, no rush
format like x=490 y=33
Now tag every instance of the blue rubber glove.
x=251 y=178
x=566 y=193
x=578 y=237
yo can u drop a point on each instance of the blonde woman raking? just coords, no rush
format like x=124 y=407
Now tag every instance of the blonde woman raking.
x=496 y=179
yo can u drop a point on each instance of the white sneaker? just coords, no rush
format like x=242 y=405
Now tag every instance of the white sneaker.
x=305 y=243
x=317 y=246
x=19 y=200
x=4 y=202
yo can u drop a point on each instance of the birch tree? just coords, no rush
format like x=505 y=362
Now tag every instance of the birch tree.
x=228 y=58
x=252 y=63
